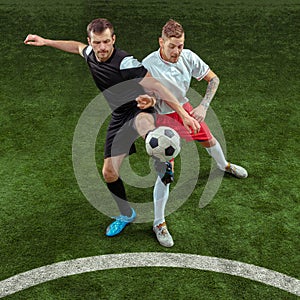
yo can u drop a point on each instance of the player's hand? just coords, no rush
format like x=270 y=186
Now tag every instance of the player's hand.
x=191 y=124
x=145 y=101
x=35 y=40
x=199 y=113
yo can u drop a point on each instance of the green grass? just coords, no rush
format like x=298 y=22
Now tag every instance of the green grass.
x=45 y=218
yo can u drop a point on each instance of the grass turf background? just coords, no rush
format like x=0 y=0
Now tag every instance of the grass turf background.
x=44 y=217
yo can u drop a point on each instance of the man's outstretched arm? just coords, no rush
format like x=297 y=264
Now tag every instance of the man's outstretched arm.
x=67 y=46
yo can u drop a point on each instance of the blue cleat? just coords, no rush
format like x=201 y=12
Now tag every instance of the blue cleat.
x=121 y=222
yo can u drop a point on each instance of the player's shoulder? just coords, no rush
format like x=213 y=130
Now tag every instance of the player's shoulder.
x=127 y=60
x=87 y=51
x=152 y=59
x=188 y=54
x=190 y=57
x=151 y=56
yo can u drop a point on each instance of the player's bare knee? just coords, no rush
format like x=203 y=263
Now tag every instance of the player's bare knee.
x=143 y=123
x=109 y=174
x=209 y=143
x=144 y=119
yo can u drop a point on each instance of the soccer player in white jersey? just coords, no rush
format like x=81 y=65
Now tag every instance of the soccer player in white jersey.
x=175 y=66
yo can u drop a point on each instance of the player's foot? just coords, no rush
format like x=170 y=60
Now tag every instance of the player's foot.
x=164 y=169
x=163 y=235
x=236 y=171
x=121 y=222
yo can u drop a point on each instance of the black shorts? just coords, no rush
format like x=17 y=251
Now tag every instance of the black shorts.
x=121 y=132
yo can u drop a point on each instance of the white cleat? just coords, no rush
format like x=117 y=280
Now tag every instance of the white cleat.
x=236 y=171
x=163 y=235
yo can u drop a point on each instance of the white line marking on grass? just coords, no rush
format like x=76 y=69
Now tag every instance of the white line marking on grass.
x=147 y=259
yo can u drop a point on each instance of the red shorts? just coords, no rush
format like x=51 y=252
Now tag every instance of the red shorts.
x=174 y=121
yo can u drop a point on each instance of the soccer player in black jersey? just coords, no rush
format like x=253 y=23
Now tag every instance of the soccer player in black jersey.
x=122 y=79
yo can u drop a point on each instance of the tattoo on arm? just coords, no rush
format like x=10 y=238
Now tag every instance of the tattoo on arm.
x=210 y=91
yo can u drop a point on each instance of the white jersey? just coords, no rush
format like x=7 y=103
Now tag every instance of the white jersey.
x=175 y=76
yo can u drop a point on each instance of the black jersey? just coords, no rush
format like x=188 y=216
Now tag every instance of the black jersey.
x=118 y=77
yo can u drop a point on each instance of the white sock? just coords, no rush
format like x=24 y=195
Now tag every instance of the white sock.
x=217 y=154
x=160 y=198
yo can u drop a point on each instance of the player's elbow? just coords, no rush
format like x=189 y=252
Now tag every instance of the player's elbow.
x=215 y=80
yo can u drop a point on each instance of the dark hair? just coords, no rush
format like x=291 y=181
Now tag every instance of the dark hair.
x=99 y=25
x=172 y=29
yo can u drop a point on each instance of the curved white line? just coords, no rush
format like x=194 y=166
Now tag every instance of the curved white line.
x=147 y=259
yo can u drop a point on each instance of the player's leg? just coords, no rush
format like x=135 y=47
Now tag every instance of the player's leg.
x=160 y=198
x=215 y=150
x=161 y=191
x=110 y=171
x=117 y=146
x=144 y=122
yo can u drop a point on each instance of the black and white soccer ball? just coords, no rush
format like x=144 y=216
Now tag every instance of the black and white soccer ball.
x=163 y=143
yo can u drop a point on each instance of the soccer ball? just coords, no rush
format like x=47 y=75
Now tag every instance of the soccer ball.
x=163 y=143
